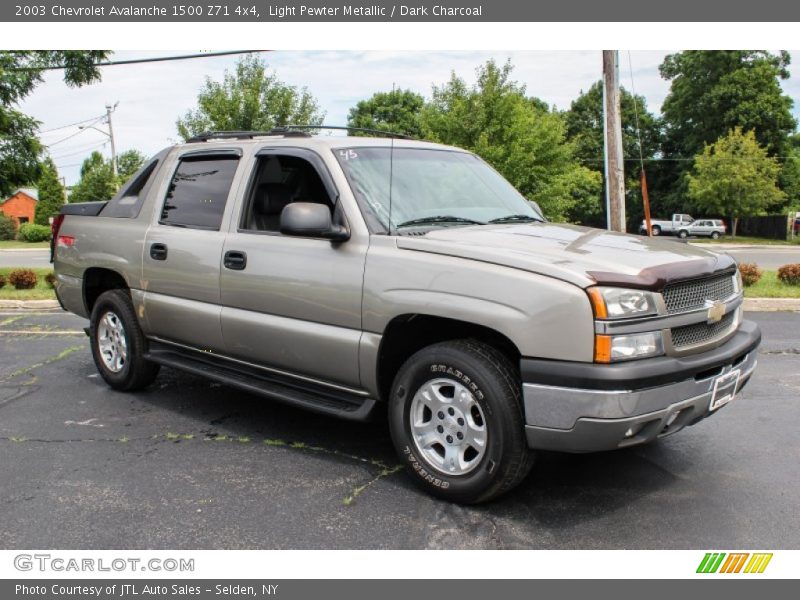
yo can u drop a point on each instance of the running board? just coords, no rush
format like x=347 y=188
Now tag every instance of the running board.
x=316 y=398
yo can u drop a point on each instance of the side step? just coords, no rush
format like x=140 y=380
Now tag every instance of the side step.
x=316 y=398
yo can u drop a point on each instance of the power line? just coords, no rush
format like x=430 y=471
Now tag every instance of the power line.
x=97 y=145
x=80 y=131
x=71 y=124
x=136 y=61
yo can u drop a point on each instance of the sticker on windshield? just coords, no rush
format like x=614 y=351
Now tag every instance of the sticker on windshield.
x=349 y=154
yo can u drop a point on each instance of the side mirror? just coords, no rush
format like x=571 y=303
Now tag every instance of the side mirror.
x=536 y=207
x=309 y=219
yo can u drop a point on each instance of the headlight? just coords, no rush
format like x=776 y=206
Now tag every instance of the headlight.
x=614 y=348
x=620 y=303
x=737 y=282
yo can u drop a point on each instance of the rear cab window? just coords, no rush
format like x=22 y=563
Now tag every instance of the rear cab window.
x=198 y=191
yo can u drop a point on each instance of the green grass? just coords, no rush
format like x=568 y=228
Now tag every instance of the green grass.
x=746 y=240
x=769 y=286
x=41 y=292
x=11 y=244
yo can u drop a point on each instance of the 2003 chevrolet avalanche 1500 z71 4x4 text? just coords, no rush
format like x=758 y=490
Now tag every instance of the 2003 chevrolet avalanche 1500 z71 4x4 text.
x=340 y=273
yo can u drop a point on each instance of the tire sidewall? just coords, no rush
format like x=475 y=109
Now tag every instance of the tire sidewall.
x=442 y=364
x=112 y=302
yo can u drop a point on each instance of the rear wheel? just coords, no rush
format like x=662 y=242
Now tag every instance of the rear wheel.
x=656 y=230
x=118 y=344
x=715 y=235
x=456 y=419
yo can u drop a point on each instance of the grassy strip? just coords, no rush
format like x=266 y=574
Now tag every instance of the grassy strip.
x=12 y=244
x=42 y=291
x=745 y=240
x=769 y=286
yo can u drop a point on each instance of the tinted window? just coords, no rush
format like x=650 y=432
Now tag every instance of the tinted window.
x=198 y=192
x=128 y=202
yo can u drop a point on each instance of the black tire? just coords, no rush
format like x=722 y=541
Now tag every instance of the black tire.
x=656 y=230
x=683 y=234
x=495 y=386
x=715 y=235
x=136 y=372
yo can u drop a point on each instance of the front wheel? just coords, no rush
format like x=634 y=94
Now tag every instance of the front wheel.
x=118 y=344
x=683 y=234
x=456 y=420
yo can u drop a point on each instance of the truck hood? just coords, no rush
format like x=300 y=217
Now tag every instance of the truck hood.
x=580 y=255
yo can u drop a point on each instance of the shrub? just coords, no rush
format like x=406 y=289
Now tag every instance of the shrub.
x=750 y=273
x=7 y=228
x=50 y=279
x=2 y=280
x=22 y=279
x=31 y=232
x=790 y=274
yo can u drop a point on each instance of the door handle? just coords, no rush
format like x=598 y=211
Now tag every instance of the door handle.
x=235 y=260
x=158 y=251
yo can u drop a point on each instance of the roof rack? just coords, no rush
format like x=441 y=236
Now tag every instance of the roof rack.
x=286 y=131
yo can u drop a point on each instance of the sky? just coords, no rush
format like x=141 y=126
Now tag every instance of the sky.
x=153 y=96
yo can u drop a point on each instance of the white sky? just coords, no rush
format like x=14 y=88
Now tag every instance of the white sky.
x=152 y=96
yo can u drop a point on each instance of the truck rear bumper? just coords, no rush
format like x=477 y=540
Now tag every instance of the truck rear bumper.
x=586 y=407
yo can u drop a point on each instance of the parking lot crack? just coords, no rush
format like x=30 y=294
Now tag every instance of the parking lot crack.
x=48 y=361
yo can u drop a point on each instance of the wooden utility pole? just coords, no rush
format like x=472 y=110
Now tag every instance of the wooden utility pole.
x=614 y=162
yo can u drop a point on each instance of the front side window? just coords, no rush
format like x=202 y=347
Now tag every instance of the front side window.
x=198 y=192
x=407 y=187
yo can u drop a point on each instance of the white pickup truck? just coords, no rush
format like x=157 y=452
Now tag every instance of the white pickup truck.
x=672 y=227
x=684 y=226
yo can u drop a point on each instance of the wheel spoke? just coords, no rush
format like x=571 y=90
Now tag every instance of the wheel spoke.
x=112 y=344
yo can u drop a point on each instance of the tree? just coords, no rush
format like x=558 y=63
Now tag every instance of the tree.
x=585 y=130
x=711 y=92
x=97 y=180
x=20 y=73
x=397 y=111
x=249 y=99
x=735 y=176
x=128 y=163
x=51 y=193
x=516 y=134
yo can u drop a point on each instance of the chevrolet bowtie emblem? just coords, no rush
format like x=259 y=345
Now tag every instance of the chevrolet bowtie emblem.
x=716 y=311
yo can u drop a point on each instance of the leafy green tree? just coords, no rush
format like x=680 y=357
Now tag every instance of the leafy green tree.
x=711 y=92
x=397 y=111
x=584 y=121
x=20 y=73
x=735 y=177
x=51 y=193
x=249 y=99
x=128 y=163
x=516 y=134
x=97 y=180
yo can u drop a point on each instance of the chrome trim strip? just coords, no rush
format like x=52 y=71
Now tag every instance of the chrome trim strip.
x=263 y=368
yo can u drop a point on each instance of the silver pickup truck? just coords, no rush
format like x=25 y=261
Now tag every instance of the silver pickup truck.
x=346 y=274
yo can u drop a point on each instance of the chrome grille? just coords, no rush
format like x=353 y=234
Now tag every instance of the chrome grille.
x=691 y=295
x=699 y=333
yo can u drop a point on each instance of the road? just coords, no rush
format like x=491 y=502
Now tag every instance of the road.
x=190 y=464
x=25 y=258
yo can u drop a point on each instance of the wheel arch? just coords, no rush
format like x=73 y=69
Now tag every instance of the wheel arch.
x=97 y=280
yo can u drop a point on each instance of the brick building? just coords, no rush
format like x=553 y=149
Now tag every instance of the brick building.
x=20 y=206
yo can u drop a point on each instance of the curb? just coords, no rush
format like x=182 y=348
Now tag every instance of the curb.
x=29 y=304
x=25 y=249
x=795 y=247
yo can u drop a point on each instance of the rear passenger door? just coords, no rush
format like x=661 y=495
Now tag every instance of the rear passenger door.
x=183 y=248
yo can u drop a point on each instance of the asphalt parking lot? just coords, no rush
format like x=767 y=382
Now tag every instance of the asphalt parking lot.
x=193 y=465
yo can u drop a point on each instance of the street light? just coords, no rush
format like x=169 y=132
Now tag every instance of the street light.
x=109 y=134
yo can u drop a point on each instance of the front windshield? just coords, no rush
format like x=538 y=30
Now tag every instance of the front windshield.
x=436 y=188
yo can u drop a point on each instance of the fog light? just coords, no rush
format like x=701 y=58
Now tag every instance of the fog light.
x=671 y=419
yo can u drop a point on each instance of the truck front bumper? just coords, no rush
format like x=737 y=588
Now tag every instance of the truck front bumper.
x=587 y=407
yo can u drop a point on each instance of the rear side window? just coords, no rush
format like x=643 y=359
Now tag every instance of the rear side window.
x=198 y=191
x=128 y=202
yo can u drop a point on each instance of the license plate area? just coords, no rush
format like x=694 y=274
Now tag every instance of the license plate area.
x=724 y=389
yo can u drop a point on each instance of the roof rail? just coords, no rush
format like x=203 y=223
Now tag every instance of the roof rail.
x=287 y=131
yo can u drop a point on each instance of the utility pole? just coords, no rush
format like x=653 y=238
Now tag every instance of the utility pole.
x=614 y=161
x=114 y=166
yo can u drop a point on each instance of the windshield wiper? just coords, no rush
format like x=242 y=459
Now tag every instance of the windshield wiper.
x=439 y=219
x=516 y=219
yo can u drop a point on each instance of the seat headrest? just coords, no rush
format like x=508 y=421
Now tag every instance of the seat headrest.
x=271 y=198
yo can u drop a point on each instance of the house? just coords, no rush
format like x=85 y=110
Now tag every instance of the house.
x=21 y=205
